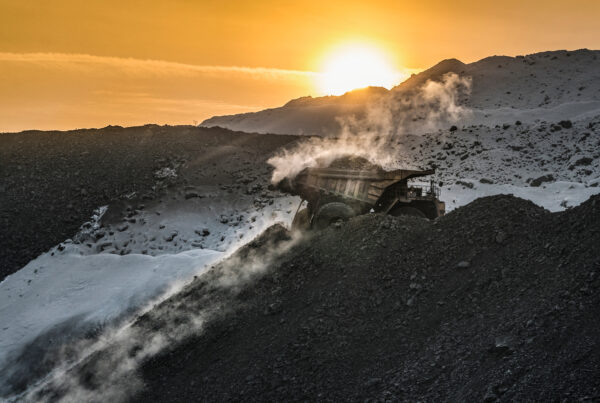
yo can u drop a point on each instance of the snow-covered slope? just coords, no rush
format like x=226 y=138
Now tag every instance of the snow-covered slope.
x=540 y=80
x=555 y=165
x=541 y=86
x=110 y=271
x=303 y=116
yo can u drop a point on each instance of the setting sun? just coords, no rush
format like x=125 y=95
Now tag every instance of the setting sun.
x=356 y=66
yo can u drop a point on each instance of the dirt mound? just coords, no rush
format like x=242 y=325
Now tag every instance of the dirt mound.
x=201 y=305
x=354 y=162
x=495 y=301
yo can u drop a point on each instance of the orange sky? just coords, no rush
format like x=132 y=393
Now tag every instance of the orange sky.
x=73 y=63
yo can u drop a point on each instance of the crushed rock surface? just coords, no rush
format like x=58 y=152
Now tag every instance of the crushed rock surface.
x=496 y=301
x=52 y=182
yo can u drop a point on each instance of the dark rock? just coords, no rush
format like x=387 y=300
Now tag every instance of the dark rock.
x=502 y=346
x=566 y=124
x=490 y=396
x=353 y=162
x=372 y=382
x=104 y=245
x=171 y=236
x=463 y=264
x=469 y=185
x=555 y=128
x=583 y=161
x=500 y=237
x=191 y=195
x=542 y=179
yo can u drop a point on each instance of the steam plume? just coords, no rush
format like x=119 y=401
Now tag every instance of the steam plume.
x=374 y=134
x=105 y=368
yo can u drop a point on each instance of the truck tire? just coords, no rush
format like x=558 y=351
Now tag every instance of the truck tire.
x=330 y=213
x=301 y=221
x=409 y=211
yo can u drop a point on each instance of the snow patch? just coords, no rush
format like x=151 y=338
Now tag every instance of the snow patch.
x=556 y=196
x=96 y=281
x=97 y=288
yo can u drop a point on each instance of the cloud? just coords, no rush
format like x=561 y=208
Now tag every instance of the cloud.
x=146 y=99
x=78 y=61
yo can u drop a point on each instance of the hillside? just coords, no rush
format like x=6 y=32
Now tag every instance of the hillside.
x=558 y=85
x=99 y=222
x=53 y=181
x=502 y=304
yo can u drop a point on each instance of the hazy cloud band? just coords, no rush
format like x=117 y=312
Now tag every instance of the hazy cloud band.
x=78 y=60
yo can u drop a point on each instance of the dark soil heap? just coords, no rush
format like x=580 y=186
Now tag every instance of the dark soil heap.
x=51 y=182
x=498 y=300
x=355 y=163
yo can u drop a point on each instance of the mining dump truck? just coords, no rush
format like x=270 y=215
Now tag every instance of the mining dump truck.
x=334 y=194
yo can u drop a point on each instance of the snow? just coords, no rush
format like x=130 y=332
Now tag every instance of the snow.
x=225 y=217
x=568 y=110
x=556 y=196
x=83 y=285
x=96 y=289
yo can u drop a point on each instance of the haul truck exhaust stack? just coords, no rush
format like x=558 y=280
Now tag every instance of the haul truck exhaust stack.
x=335 y=194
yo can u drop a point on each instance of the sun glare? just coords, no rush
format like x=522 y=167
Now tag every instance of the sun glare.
x=356 y=66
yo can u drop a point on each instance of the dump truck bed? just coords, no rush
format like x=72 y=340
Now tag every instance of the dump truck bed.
x=363 y=185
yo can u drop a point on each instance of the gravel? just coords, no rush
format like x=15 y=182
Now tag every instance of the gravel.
x=376 y=310
x=51 y=182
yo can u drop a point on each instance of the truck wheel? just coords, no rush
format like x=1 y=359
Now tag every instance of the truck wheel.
x=301 y=221
x=330 y=213
x=410 y=211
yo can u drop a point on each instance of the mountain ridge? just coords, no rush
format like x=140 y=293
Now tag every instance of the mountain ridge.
x=537 y=81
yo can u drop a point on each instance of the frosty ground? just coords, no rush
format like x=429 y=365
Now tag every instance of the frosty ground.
x=148 y=208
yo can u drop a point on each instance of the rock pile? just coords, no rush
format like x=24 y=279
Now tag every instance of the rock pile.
x=497 y=300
